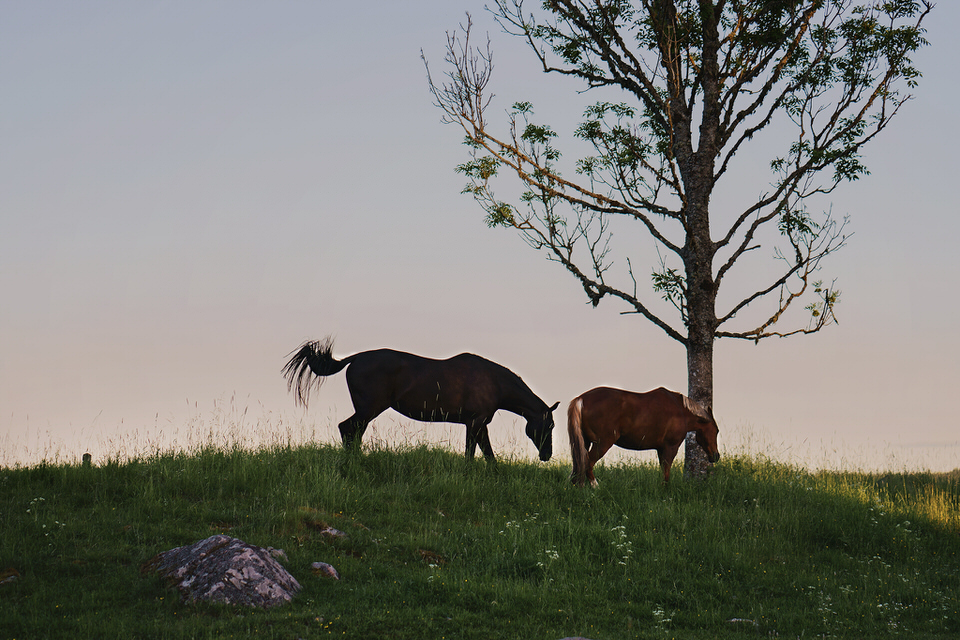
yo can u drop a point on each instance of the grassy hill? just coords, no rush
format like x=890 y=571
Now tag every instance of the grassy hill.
x=438 y=547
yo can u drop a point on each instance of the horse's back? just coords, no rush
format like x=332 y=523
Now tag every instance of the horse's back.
x=378 y=364
x=426 y=388
x=479 y=367
x=633 y=420
x=476 y=381
x=660 y=399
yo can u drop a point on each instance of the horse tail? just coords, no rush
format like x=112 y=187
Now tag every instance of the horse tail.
x=578 y=449
x=314 y=356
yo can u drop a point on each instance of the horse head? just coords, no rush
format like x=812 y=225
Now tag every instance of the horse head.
x=540 y=430
x=707 y=430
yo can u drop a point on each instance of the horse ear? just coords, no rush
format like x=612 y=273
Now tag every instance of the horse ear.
x=555 y=405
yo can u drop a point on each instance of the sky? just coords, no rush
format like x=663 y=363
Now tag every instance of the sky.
x=188 y=191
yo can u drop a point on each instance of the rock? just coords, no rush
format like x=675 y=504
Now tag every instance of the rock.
x=279 y=554
x=325 y=530
x=9 y=576
x=743 y=621
x=330 y=532
x=324 y=569
x=225 y=570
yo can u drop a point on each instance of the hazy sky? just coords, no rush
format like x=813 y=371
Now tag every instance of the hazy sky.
x=190 y=190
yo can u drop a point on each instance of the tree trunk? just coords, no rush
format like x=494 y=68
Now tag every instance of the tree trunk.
x=700 y=389
x=701 y=318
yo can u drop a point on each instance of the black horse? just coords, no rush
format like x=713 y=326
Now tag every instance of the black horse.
x=465 y=389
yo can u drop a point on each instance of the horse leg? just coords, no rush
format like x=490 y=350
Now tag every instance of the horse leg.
x=367 y=405
x=485 y=443
x=477 y=433
x=471 y=447
x=351 y=431
x=597 y=451
x=666 y=456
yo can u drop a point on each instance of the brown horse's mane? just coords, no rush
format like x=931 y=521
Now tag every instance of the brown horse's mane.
x=695 y=407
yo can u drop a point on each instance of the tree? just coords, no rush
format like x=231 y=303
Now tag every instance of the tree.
x=701 y=80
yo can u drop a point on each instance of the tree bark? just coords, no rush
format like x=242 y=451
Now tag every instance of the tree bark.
x=700 y=389
x=701 y=297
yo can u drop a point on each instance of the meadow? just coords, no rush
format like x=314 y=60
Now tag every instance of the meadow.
x=441 y=547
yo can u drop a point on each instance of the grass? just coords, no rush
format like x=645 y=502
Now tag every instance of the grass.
x=439 y=547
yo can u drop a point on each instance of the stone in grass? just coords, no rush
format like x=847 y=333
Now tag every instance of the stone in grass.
x=225 y=570
x=9 y=576
x=324 y=569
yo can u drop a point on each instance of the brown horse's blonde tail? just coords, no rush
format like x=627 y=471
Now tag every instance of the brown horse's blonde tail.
x=578 y=449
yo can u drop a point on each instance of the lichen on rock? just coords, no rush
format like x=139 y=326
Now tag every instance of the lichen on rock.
x=225 y=570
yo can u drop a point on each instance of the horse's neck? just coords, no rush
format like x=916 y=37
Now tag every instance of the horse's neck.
x=522 y=401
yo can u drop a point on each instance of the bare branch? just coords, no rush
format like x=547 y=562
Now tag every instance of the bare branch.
x=810 y=244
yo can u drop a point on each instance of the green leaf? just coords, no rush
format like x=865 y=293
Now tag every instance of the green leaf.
x=500 y=215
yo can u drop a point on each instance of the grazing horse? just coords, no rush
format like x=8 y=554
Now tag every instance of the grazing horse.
x=464 y=389
x=658 y=419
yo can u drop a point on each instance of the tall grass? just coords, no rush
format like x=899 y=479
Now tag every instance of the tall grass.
x=440 y=547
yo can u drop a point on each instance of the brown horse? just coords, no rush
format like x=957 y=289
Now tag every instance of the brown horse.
x=658 y=419
x=464 y=389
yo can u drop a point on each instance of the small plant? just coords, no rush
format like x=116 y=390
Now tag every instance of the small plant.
x=34 y=508
x=49 y=526
x=661 y=617
x=622 y=543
